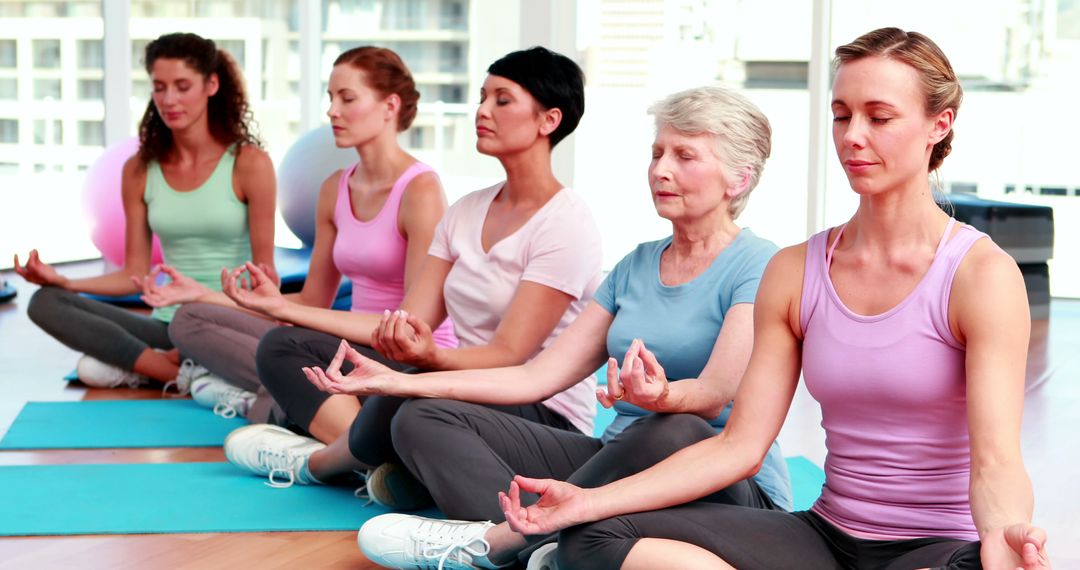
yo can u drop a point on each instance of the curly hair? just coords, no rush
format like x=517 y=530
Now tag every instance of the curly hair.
x=939 y=82
x=228 y=113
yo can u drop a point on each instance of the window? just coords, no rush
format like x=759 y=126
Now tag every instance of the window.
x=48 y=132
x=46 y=54
x=91 y=133
x=8 y=53
x=9 y=131
x=9 y=88
x=47 y=89
x=91 y=54
x=91 y=89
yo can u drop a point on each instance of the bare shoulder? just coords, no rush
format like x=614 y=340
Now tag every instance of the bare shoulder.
x=133 y=178
x=988 y=295
x=424 y=187
x=252 y=159
x=986 y=267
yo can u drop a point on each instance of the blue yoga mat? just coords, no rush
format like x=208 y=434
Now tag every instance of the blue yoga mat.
x=167 y=498
x=117 y=424
x=806 y=481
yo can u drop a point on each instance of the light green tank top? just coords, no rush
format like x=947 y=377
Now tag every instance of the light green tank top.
x=201 y=230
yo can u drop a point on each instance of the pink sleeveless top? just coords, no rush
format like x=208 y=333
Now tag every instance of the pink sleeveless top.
x=372 y=253
x=892 y=390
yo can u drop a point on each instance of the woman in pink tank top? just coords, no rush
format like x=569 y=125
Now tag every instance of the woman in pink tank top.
x=911 y=331
x=374 y=224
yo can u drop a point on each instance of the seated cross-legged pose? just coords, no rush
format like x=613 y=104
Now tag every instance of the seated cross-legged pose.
x=201 y=183
x=678 y=312
x=911 y=331
x=512 y=264
x=374 y=223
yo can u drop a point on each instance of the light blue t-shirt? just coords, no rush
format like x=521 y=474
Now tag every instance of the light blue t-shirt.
x=680 y=324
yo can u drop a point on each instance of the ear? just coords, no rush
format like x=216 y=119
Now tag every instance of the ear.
x=942 y=125
x=393 y=106
x=741 y=185
x=551 y=119
x=213 y=84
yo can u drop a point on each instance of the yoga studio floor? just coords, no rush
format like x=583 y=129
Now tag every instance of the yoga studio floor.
x=32 y=365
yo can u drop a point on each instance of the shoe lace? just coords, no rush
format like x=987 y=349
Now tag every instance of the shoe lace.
x=361 y=492
x=280 y=463
x=189 y=371
x=442 y=542
x=232 y=402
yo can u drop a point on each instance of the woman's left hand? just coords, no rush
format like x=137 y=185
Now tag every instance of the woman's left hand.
x=181 y=288
x=367 y=377
x=1021 y=546
x=641 y=381
x=404 y=337
x=561 y=505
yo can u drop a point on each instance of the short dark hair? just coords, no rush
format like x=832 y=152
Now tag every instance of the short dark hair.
x=553 y=79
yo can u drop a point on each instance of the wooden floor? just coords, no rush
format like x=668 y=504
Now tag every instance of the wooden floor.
x=31 y=365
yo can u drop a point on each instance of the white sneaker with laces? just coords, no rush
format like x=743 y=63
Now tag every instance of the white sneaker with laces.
x=407 y=541
x=543 y=558
x=189 y=372
x=276 y=452
x=227 y=400
x=97 y=374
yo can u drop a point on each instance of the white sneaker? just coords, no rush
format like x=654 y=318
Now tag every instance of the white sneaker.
x=227 y=400
x=189 y=372
x=407 y=541
x=97 y=374
x=276 y=452
x=543 y=558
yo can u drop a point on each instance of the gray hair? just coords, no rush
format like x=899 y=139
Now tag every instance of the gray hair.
x=742 y=132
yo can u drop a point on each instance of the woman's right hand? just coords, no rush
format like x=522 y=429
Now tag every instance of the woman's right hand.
x=367 y=377
x=561 y=505
x=180 y=289
x=260 y=295
x=39 y=272
x=641 y=381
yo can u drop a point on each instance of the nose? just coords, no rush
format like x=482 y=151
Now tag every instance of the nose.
x=854 y=134
x=483 y=110
x=331 y=110
x=659 y=168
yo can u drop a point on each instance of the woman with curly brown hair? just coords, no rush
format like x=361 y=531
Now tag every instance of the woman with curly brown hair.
x=201 y=182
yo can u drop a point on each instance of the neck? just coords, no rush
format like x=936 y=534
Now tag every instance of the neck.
x=529 y=179
x=380 y=158
x=897 y=217
x=705 y=235
x=193 y=142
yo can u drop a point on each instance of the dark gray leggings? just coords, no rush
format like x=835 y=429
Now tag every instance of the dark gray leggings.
x=749 y=538
x=465 y=454
x=108 y=333
x=222 y=339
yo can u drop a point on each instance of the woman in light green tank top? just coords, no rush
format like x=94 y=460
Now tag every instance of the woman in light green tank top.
x=201 y=182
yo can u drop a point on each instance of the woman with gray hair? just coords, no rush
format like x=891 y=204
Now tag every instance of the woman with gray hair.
x=677 y=314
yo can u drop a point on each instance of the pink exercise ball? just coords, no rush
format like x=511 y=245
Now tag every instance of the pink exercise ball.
x=105 y=207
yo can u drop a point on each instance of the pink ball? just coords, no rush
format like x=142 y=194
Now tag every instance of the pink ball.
x=105 y=207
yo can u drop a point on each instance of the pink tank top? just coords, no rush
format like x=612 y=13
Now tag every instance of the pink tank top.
x=372 y=253
x=893 y=402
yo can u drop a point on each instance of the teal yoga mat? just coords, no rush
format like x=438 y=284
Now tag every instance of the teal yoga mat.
x=117 y=424
x=167 y=498
x=806 y=481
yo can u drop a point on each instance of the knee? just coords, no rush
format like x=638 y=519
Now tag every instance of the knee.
x=184 y=324
x=414 y=422
x=670 y=431
x=602 y=544
x=44 y=303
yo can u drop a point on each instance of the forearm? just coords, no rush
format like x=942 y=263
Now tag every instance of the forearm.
x=507 y=386
x=1000 y=496
x=692 y=396
x=113 y=284
x=352 y=326
x=492 y=355
x=685 y=476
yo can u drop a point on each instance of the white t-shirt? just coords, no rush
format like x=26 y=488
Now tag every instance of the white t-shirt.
x=558 y=247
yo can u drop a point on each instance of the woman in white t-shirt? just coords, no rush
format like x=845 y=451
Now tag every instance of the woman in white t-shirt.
x=512 y=265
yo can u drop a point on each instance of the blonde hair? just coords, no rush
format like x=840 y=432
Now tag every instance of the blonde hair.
x=742 y=132
x=940 y=86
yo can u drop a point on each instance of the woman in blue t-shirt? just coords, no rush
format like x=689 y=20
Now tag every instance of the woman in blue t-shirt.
x=680 y=308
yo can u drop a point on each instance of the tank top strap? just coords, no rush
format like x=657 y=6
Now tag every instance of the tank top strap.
x=951 y=254
x=343 y=204
x=222 y=175
x=393 y=201
x=814 y=275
